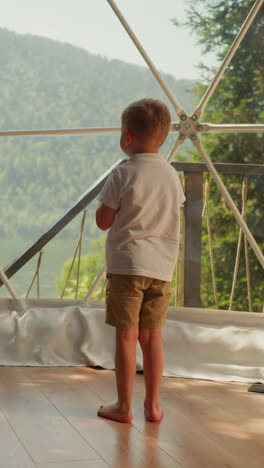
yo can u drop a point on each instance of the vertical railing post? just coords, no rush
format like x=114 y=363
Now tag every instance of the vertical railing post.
x=193 y=238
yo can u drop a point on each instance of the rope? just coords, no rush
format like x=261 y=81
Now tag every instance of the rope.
x=243 y=213
x=102 y=293
x=97 y=280
x=69 y=272
x=36 y=275
x=175 y=291
x=249 y=289
x=182 y=247
x=78 y=248
x=205 y=212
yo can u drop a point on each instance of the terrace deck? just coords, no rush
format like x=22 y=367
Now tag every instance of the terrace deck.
x=48 y=420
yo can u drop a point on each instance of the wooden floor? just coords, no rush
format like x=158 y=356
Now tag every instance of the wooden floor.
x=48 y=420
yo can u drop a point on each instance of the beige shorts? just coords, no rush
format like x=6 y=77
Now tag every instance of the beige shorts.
x=134 y=301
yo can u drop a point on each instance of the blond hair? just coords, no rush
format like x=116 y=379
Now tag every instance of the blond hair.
x=147 y=118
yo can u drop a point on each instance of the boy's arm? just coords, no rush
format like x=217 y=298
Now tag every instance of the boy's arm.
x=104 y=216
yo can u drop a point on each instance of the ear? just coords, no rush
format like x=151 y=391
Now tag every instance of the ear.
x=129 y=137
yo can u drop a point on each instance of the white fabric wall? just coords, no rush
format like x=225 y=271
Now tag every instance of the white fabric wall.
x=204 y=344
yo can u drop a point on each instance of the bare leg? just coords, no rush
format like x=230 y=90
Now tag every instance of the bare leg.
x=125 y=363
x=151 y=344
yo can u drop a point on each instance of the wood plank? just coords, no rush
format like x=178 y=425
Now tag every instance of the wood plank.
x=181 y=437
x=75 y=464
x=13 y=454
x=224 y=168
x=231 y=399
x=193 y=239
x=185 y=441
x=13 y=374
x=240 y=407
x=120 y=445
x=205 y=424
x=232 y=433
x=239 y=450
x=69 y=375
x=46 y=435
x=49 y=374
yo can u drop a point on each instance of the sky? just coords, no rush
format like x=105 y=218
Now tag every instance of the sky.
x=92 y=25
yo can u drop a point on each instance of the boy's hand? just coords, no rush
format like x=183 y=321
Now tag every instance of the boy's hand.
x=105 y=216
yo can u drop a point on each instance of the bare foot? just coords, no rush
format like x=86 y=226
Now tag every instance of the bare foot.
x=115 y=413
x=153 y=414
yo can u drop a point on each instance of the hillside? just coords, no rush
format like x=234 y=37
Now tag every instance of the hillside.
x=48 y=84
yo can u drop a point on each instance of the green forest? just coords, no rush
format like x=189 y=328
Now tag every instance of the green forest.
x=46 y=84
x=239 y=98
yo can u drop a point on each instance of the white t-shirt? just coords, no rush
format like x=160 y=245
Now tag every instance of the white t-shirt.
x=144 y=238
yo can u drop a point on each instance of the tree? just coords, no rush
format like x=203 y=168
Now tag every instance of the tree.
x=239 y=98
x=90 y=266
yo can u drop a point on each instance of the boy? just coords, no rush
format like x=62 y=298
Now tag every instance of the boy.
x=140 y=203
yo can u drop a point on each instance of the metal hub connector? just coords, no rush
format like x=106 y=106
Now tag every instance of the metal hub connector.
x=188 y=127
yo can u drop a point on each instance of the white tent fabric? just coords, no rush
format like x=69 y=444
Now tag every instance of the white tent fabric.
x=204 y=344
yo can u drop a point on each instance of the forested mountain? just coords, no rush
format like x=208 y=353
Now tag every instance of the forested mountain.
x=48 y=84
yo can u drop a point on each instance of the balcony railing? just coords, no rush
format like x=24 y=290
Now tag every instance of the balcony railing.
x=192 y=237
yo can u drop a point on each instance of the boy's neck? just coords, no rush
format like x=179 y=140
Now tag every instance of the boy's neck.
x=145 y=149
